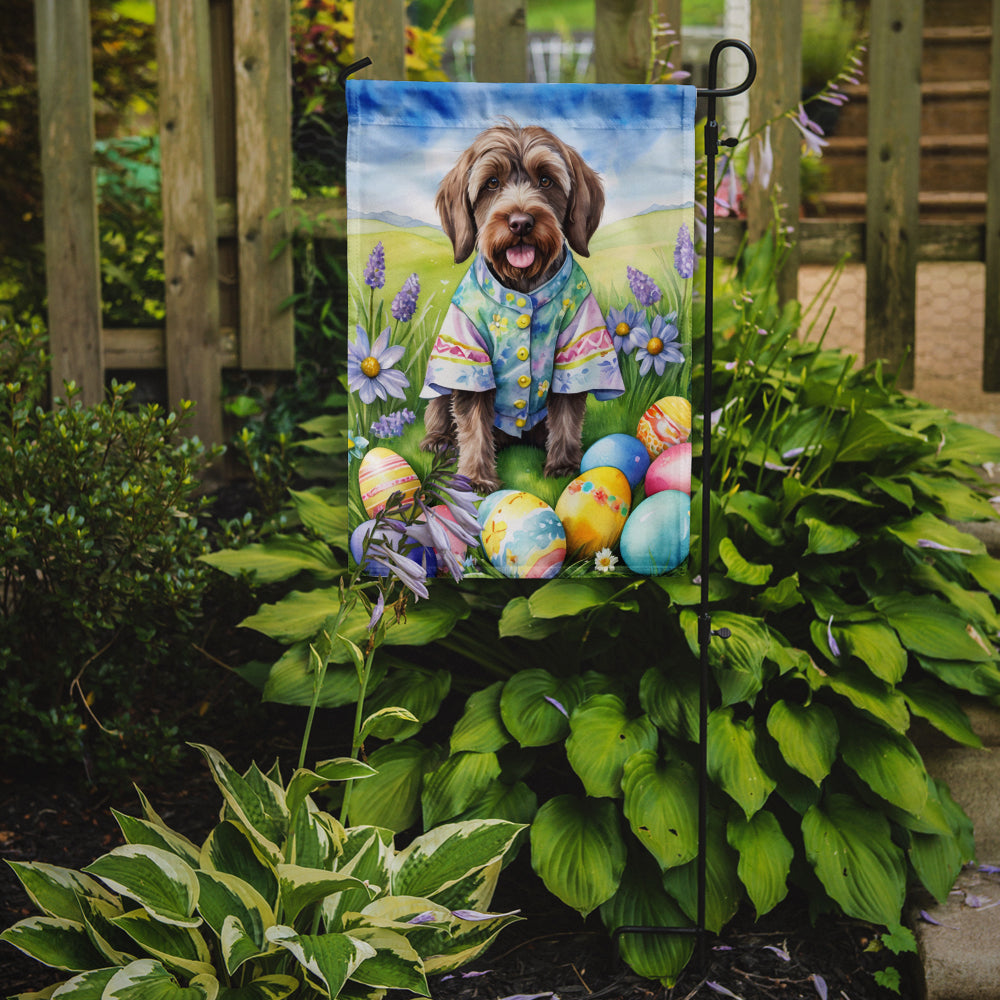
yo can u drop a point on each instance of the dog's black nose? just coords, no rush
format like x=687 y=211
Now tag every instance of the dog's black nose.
x=520 y=223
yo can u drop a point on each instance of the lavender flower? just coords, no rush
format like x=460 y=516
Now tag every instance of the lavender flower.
x=404 y=305
x=760 y=165
x=660 y=347
x=643 y=287
x=392 y=425
x=811 y=132
x=684 y=260
x=831 y=642
x=370 y=371
x=556 y=704
x=628 y=328
x=375 y=268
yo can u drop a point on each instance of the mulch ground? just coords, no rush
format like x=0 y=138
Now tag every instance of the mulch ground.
x=551 y=952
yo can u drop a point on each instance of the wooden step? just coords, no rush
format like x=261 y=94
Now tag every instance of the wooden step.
x=956 y=53
x=958 y=206
x=945 y=12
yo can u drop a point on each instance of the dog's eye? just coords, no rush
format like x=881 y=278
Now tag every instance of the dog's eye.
x=545 y=181
x=493 y=183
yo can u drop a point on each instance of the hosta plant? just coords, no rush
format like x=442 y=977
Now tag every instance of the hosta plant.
x=279 y=900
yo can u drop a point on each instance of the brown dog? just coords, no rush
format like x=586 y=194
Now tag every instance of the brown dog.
x=523 y=339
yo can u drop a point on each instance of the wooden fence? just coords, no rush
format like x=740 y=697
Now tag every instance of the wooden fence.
x=226 y=160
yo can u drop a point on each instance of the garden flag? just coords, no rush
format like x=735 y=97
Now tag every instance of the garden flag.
x=520 y=263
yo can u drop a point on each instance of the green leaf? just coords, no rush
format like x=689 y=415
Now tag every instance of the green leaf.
x=783 y=595
x=279 y=558
x=147 y=979
x=54 y=941
x=976 y=678
x=456 y=784
x=516 y=803
x=738 y=661
x=732 y=760
x=331 y=959
x=577 y=850
x=760 y=512
x=765 y=858
x=937 y=859
x=893 y=488
x=325 y=519
x=141 y=831
x=391 y=798
x=292 y=681
x=56 y=891
x=866 y=692
x=807 y=736
x=181 y=948
x=850 y=848
x=304 y=782
x=418 y=690
x=275 y=987
x=888 y=763
x=931 y=628
x=516 y=620
x=562 y=598
x=828 y=539
x=528 y=714
x=385 y=723
x=86 y=986
x=965 y=443
x=602 y=738
x=438 y=859
x=395 y=964
x=956 y=500
x=870 y=435
x=163 y=884
x=661 y=798
x=671 y=700
x=876 y=646
x=941 y=709
x=640 y=901
x=230 y=849
x=738 y=569
x=225 y=897
x=927 y=527
x=301 y=887
x=481 y=728
x=986 y=571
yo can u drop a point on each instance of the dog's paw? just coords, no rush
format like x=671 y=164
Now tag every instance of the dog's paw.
x=438 y=443
x=554 y=470
x=483 y=485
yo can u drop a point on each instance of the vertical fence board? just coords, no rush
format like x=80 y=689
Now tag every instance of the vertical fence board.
x=262 y=61
x=72 y=257
x=190 y=254
x=991 y=333
x=893 y=183
x=667 y=14
x=380 y=34
x=622 y=40
x=501 y=41
x=776 y=35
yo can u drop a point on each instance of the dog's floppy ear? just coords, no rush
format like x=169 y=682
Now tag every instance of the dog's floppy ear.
x=454 y=208
x=586 y=202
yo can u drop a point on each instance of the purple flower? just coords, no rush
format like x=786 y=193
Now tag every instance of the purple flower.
x=427 y=917
x=660 y=347
x=392 y=425
x=831 y=642
x=404 y=305
x=375 y=268
x=370 y=371
x=811 y=132
x=819 y=983
x=760 y=165
x=684 y=259
x=557 y=704
x=643 y=287
x=627 y=327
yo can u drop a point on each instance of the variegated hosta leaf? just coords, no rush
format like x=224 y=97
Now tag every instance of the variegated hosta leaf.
x=732 y=760
x=304 y=782
x=476 y=890
x=642 y=902
x=230 y=849
x=850 y=847
x=141 y=831
x=456 y=784
x=765 y=858
x=481 y=727
x=315 y=838
x=56 y=891
x=275 y=987
x=158 y=880
x=578 y=851
x=54 y=941
x=467 y=941
x=367 y=853
x=535 y=706
x=441 y=857
x=395 y=964
x=807 y=736
x=888 y=763
x=86 y=986
x=661 y=805
x=116 y=946
x=147 y=979
x=301 y=887
x=329 y=959
x=225 y=897
x=723 y=889
x=177 y=947
x=602 y=737
x=256 y=801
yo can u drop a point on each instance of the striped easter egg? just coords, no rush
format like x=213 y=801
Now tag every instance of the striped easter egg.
x=666 y=422
x=381 y=474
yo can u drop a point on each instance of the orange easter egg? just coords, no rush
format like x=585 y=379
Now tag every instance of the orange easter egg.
x=666 y=422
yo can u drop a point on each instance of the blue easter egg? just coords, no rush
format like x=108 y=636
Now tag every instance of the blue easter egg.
x=420 y=554
x=623 y=452
x=657 y=536
x=488 y=504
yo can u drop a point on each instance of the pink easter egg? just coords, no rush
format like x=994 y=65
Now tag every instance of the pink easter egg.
x=670 y=470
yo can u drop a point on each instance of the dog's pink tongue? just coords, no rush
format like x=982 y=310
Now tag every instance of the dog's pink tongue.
x=521 y=256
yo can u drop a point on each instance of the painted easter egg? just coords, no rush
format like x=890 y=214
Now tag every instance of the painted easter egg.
x=593 y=509
x=489 y=502
x=523 y=538
x=359 y=536
x=671 y=470
x=383 y=473
x=623 y=452
x=666 y=422
x=657 y=537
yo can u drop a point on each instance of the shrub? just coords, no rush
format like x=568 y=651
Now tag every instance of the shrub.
x=99 y=542
x=854 y=604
